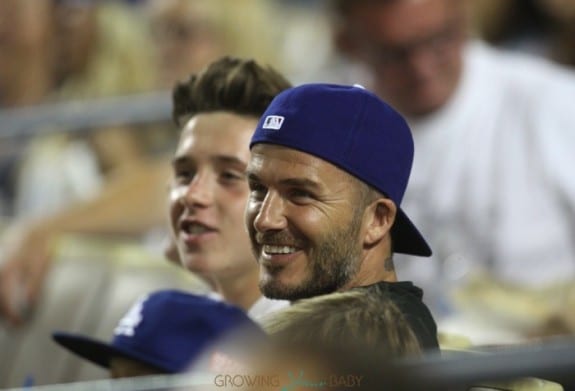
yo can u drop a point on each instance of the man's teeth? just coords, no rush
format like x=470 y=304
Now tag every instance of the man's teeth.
x=278 y=249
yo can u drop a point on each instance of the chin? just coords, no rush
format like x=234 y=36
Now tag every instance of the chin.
x=196 y=264
x=278 y=292
x=275 y=289
x=271 y=286
x=423 y=108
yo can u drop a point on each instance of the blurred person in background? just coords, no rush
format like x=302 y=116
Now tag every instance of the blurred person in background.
x=491 y=184
x=100 y=50
x=185 y=36
x=25 y=76
x=540 y=27
x=562 y=36
x=189 y=34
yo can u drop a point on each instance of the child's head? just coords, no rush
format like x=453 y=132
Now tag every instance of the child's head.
x=354 y=319
x=163 y=333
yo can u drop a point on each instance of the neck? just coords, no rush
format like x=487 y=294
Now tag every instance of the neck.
x=373 y=270
x=240 y=289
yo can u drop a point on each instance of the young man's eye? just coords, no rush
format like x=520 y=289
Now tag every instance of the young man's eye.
x=183 y=176
x=232 y=176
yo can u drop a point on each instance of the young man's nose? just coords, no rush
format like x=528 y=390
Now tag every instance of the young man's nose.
x=199 y=192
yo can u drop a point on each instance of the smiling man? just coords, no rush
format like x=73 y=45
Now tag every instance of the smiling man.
x=327 y=174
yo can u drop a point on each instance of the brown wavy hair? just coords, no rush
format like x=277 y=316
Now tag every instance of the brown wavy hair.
x=239 y=86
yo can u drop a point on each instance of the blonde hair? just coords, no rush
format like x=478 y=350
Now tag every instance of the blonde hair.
x=246 y=29
x=356 y=318
x=122 y=61
x=239 y=28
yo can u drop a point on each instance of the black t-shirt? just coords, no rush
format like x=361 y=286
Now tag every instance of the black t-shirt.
x=408 y=298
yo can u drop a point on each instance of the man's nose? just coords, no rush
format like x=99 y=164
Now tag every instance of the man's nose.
x=421 y=61
x=271 y=213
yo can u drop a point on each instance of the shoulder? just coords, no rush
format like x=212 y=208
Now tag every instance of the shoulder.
x=519 y=70
x=408 y=298
x=399 y=288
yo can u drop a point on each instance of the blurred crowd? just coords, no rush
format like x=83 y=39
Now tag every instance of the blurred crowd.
x=501 y=225
x=69 y=50
x=54 y=51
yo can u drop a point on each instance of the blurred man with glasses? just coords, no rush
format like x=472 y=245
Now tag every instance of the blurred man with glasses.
x=491 y=184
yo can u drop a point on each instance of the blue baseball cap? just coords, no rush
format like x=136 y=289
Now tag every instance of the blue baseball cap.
x=353 y=129
x=167 y=330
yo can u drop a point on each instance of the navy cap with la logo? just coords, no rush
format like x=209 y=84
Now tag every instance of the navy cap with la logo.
x=167 y=330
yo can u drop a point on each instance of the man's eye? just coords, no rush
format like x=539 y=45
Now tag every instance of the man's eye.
x=300 y=194
x=257 y=189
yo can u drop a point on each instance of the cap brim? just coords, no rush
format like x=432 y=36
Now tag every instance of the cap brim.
x=92 y=350
x=406 y=238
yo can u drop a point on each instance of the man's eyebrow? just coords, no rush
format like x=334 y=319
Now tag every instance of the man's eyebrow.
x=295 y=182
x=300 y=182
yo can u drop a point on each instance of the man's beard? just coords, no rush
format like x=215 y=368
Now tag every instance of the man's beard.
x=332 y=264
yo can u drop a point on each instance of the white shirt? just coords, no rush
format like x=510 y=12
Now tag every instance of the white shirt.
x=261 y=308
x=493 y=180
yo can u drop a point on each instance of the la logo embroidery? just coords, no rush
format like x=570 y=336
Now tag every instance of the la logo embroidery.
x=273 y=122
x=131 y=320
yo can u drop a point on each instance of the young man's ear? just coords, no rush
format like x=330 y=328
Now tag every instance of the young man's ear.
x=381 y=215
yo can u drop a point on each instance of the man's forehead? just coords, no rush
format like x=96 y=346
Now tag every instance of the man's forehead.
x=265 y=154
x=277 y=160
x=400 y=20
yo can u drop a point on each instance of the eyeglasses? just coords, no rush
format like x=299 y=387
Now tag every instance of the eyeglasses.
x=180 y=31
x=436 y=44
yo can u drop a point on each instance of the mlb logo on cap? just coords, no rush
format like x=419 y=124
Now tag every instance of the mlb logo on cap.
x=273 y=122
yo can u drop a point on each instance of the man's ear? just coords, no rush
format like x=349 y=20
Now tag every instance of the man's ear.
x=380 y=217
